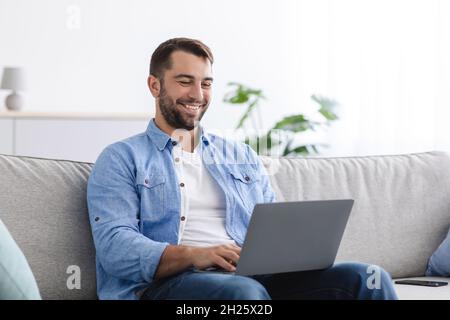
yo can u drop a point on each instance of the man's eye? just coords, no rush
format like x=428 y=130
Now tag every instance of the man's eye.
x=207 y=84
x=185 y=82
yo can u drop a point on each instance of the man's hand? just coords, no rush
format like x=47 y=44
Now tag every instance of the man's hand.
x=223 y=256
x=177 y=258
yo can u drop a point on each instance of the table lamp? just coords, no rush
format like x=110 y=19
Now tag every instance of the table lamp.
x=13 y=79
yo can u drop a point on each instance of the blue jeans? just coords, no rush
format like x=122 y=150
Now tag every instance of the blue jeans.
x=341 y=281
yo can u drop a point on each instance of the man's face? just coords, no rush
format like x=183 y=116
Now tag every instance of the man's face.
x=185 y=90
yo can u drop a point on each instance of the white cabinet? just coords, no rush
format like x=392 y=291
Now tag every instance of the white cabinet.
x=79 y=137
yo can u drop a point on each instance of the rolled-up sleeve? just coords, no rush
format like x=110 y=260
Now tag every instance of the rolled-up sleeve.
x=113 y=204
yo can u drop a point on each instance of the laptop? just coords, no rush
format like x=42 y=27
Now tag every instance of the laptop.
x=292 y=237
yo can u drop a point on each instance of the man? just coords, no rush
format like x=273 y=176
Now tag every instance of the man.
x=174 y=200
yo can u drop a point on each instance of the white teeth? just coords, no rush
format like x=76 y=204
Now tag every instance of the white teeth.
x=192 y=107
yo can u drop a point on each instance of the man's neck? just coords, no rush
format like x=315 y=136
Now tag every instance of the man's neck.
x=187 y=139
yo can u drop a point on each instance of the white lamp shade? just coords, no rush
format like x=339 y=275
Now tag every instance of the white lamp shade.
x=13 y=79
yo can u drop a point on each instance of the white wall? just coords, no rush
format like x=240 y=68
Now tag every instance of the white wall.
x=101 y=63
x=386 y=62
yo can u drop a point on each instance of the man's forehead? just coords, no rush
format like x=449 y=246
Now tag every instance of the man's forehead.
x=189 y=64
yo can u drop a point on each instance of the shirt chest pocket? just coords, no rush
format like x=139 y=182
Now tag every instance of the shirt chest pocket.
x=247 y=184
x=152 y=195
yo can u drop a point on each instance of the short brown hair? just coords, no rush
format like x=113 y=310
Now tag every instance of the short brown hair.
x=161 y=61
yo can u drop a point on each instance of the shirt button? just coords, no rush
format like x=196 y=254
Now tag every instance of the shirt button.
x=177 y=159
x=146 y=181
x=183 y=218
x=182 y=184
x=174 y=143
x=97 y=218
x=247 y=178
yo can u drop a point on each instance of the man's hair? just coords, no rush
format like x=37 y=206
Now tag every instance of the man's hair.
x=161 y=61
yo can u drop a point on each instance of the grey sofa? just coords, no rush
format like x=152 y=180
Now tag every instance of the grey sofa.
x=400 y=216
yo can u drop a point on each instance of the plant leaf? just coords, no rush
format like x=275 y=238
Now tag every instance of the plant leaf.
x=246 y=114
x=295 y=123
x=241 y=94
x=326 y=107
x=302 y=150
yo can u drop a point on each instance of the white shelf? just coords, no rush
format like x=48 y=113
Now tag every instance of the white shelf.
x=76 y=115
x=70 y=136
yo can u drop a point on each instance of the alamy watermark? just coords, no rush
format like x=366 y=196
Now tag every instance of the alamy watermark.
x=374 y=280
x=74 y=278
x=73 y=20
x=227 y=153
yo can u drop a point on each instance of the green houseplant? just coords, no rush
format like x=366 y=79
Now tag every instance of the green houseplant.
x=283 y=135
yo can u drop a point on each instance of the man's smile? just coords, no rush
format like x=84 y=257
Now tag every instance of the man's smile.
x=191 y=108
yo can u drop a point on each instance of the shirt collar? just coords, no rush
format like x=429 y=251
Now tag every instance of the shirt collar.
x=160 y=138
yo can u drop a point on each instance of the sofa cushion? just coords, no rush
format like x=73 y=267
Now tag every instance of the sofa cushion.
x=402 y=205
x=16 y=279
x=43 y=204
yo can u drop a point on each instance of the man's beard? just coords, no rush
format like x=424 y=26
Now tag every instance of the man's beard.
x=173 y=116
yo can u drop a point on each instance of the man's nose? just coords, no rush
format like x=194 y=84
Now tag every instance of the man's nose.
x=196 y=93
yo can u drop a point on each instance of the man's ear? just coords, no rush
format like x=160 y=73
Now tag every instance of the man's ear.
x=154 y=85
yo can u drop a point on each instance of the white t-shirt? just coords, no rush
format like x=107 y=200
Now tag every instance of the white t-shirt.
x=203 y=204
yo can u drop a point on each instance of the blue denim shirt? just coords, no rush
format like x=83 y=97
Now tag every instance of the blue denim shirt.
x=134 y=203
